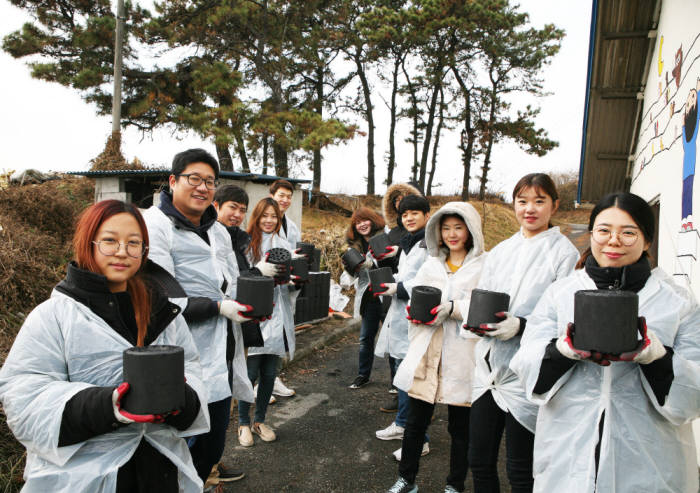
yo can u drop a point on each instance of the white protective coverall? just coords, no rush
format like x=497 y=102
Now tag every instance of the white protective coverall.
x=645 y=447
x=282 y=321
x=63 y=348
x=201 y=270
x=523 y=268
x=457 y=361
x=393 y=337
x=293 y=234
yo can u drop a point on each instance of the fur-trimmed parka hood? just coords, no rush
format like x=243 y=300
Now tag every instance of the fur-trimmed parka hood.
x=389 y=212
x=472 y=219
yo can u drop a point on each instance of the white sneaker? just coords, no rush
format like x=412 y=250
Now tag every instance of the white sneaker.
x=273 y=399
x=391 y=432
x=281 y=389
x=425 y=451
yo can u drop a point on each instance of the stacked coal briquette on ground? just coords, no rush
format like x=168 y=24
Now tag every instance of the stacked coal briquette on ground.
x=312 y=302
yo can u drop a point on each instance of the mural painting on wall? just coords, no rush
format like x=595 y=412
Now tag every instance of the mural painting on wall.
x=671 y=121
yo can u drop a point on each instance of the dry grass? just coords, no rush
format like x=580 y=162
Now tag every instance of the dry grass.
x=36 y=227
x=575 y=216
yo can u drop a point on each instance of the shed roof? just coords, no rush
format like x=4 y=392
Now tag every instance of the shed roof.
x=234 y=175
x=622 y=40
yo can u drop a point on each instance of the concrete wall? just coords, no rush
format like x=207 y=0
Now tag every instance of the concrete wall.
x=111 y=187
x=664 y=161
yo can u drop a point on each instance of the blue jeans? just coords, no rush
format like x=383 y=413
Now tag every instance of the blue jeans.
x=207 y=449
x=402 y=414
x=263 y=366
x=368 y=333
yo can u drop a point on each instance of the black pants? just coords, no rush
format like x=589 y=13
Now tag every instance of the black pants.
x=208 y=448
x=419 y=414
x=486 y=429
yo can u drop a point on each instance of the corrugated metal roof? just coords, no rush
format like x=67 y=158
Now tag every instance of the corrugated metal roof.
x=234 y=175
x=622 y=38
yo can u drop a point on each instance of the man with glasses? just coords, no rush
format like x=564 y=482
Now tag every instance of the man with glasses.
x=186 y=240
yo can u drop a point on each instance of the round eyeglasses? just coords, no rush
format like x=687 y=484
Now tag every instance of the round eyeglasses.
x=109 y=248
x=602 y=235
x=196 y=180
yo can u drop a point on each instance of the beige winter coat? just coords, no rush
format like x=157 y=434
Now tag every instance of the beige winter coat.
x=439 y=364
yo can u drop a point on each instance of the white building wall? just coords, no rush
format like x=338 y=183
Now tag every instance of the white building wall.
x=664 y=157
x=661 y=154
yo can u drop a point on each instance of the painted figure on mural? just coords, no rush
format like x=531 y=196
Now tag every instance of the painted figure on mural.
x=690 y=134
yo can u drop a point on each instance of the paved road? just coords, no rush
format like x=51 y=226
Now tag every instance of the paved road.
x=326 y=439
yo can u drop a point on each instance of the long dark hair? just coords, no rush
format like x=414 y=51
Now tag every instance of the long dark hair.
x=254 y=227
x=633 y=205
x=86 y=228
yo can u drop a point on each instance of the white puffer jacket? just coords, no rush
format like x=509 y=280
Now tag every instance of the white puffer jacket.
x=457 y=356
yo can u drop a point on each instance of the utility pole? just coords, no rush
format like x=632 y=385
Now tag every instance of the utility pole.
x=118 y=42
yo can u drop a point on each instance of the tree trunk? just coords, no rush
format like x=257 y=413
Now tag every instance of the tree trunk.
x=370 y=121
x=392 y=126
x=265 y=155
x=240 y=149
x=414 y=105
x=428 y=135
x=281 y=164
x=441 y=120
x=468 y=134
x=316 y=186
x=487 y=156
x=225 y=161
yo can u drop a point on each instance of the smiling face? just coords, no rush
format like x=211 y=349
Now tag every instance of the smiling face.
x=120 y=267
x=364 y=227
x=231 y=213
x=533 y=210
x=268 y=220
x=414 y=220
x=613 y=252
x=454 y=234
x=283 y=197
x=192 y=201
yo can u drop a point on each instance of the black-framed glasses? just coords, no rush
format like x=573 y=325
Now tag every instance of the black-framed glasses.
x=196 y=180
x=602 y=235
x=109 y=248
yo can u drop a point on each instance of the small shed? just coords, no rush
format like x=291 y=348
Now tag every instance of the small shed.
x=142 y=186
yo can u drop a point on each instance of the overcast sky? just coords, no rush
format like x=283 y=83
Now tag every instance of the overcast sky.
x=49 y=127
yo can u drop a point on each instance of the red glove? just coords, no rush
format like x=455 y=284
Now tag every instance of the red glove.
x=127 y=417
x=391 y=251
x=480 y=331
x=389 y=289
x=566 y=347
x=408 y=316
x=440 y=311
x=649 y=349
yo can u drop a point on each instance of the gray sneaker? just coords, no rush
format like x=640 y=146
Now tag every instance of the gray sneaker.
x=403 y=486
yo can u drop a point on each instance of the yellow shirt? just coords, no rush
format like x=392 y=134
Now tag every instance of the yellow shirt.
x=453 y=268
